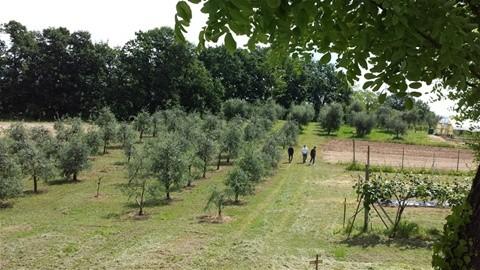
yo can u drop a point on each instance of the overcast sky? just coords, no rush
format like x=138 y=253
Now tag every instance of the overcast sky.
x=116 y=21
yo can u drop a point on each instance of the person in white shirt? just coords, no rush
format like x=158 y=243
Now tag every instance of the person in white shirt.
x=304 y=153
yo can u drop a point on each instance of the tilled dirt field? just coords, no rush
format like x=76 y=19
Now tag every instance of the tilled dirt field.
x=391 y=154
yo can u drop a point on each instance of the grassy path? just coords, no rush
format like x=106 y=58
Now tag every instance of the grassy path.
x=294 y=215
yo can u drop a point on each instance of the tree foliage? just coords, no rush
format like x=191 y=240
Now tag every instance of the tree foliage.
x=331 y=117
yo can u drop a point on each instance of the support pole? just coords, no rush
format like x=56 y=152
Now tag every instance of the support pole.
x=344 y=211
x=458 y=160
x=403 y=157
x=354 y=151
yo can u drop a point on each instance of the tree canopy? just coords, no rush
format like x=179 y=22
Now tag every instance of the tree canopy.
x=399 y=43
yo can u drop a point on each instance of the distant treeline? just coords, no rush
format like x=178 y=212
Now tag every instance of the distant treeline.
x=56 y=73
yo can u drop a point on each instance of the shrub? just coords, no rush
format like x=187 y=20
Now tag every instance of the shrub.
x=236 y=108
x=363 y=123
x=303 y=114
x=254 y=130
x=331 y=117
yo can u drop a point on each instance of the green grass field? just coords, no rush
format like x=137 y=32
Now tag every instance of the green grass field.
x=294 y=215
x=419 y=137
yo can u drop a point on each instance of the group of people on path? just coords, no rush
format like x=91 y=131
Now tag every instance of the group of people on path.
x=313 y=154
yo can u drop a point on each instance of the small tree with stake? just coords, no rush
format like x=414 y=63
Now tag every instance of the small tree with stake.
x=217 y=200
x=139 y=176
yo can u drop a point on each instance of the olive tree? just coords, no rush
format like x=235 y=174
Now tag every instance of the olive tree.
x=363 y=123
x=139 y=179
x=167 y=162
x=217 y=200
x=108 y=126
x=239 y=184
x=73 y=158
x=331 y=117
x=397 y=125
x=93 y=139
x=206 y=149
x=10 y=175
x=35 y=163
x=142 y=122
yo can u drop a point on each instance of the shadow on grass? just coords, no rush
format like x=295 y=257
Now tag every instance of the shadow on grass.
x=62 y=182
x=154 y=202
x=32 y=193
x=372 y=240
x=233 y=202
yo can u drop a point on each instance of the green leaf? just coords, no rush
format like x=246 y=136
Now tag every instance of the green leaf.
x=409 y=103
x=415 y=94
x=194 y=1
x=230 y=43
x=415 y=85
x=274 y=3
x=184 y=11
x=325 y=58
x=382 y=97
x=369 y=76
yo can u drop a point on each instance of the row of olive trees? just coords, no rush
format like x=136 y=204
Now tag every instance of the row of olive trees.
x=188 y=145
x=256 y=161
x=38 y=155
x=332 y=117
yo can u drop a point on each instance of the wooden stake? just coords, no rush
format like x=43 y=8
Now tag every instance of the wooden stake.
x=403 y=157
x=316 y=262
x=344 y=211
x=458 y=160
x=353 y=151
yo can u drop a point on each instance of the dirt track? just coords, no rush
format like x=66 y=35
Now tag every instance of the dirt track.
x=391 y=154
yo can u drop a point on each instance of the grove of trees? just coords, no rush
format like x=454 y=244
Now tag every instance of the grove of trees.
x=54 y=73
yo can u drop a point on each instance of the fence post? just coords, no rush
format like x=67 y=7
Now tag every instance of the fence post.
x=344 y=211
x=433 y=162
x=403 y=156
x=458 y=160
x=366 y=199
x=353 y=151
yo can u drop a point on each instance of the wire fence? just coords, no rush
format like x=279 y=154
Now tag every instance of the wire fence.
x=399 y=155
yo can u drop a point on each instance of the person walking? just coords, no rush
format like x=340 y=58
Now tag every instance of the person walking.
x=290 y=154
x=304 y=153
x=313 y=155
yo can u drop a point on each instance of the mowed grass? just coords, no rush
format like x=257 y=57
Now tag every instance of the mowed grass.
x=419 y=137
x=294 y=215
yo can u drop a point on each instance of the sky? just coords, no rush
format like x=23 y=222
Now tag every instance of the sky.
x=116 y=21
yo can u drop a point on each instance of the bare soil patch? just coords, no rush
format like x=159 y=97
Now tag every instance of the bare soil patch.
x=214 y=219
x=390 y=154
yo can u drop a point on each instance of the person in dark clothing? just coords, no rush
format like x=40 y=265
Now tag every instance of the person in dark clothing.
x=313 y=154
x=290 y=154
